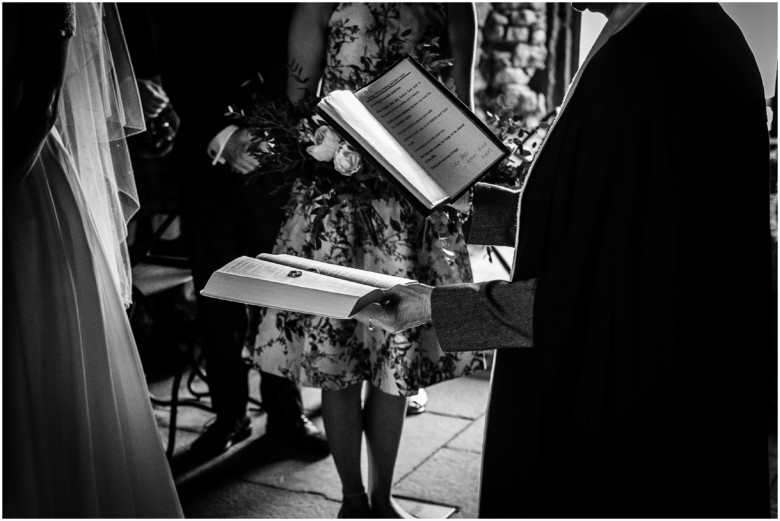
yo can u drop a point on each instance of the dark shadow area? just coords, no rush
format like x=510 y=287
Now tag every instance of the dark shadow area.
x=251 y=454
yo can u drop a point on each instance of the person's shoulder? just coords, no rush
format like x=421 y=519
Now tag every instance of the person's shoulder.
x=686 y=13
x=699 y=39
x=673 y=37
x=684 y=25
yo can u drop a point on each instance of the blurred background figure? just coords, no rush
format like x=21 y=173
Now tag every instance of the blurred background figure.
x=162 y=314
x=222 y=216
x=149 y=151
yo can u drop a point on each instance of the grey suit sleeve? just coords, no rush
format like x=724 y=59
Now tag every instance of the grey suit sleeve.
x=494 y=216
x=486 y=315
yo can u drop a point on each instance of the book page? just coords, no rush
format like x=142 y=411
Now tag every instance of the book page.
x=286 y=275
x=345 y=109
x=301 y=285
x=262 y=283
x=429 y=126
x=368 y=278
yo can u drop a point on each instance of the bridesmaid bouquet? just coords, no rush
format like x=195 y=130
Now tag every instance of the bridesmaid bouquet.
x=294 y=145
x=292 y=138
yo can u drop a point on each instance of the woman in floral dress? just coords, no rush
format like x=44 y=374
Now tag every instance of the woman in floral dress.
x=345 y=46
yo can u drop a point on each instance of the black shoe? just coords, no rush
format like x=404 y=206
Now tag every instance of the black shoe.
x=220 y=436
x=303 y=435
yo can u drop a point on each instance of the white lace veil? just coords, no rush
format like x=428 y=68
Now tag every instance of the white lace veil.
x=100 y=107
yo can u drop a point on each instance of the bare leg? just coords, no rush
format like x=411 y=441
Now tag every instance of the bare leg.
x=342 y=416
x=383 y=422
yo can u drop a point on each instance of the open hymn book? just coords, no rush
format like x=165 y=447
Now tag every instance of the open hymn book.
x=415 y=131
x=302 y=285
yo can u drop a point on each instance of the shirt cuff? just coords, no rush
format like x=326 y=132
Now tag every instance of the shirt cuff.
x=217 y=145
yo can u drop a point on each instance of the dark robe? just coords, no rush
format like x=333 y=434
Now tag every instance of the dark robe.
x=645 y=225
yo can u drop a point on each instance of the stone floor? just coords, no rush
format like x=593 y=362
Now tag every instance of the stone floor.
x=437 y=473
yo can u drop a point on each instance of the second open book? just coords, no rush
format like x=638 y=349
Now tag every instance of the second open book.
x=301 y=285
x=416 y=133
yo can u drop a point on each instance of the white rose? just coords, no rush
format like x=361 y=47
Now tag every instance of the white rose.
x=347 y=161
x=263 y=146
x=325 y=144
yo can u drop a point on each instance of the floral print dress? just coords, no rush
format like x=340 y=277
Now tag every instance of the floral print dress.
x=332 y=354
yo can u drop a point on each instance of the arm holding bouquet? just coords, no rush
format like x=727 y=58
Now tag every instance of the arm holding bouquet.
x=306 y=51
x=239 y=146
x=232 y=145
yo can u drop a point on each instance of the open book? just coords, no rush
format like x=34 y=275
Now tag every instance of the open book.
x=415 y=131
x=302 y=285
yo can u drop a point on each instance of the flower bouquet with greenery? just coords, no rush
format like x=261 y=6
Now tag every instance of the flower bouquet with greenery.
x=293 y=145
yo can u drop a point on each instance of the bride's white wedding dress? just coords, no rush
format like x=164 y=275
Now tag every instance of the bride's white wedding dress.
x=79 y=432
x=79 y=435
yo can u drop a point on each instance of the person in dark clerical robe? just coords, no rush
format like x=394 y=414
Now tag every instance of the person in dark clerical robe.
x=630 y=374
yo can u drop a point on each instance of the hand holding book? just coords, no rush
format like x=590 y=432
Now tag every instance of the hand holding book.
x=417 y=133
x=301 y=285
x=404 y=307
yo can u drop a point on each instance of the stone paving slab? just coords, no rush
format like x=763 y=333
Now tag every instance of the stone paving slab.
x=462 y=397
x=237 y=499
x=449 y=477
x=422 y=510
x=423 y=435
x=470 y=439
x=316 y=477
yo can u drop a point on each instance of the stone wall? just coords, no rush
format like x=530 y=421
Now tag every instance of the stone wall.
x=513 y=39
x=525 y=51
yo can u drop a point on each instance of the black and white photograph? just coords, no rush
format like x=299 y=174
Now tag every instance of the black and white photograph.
x=389 y=260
